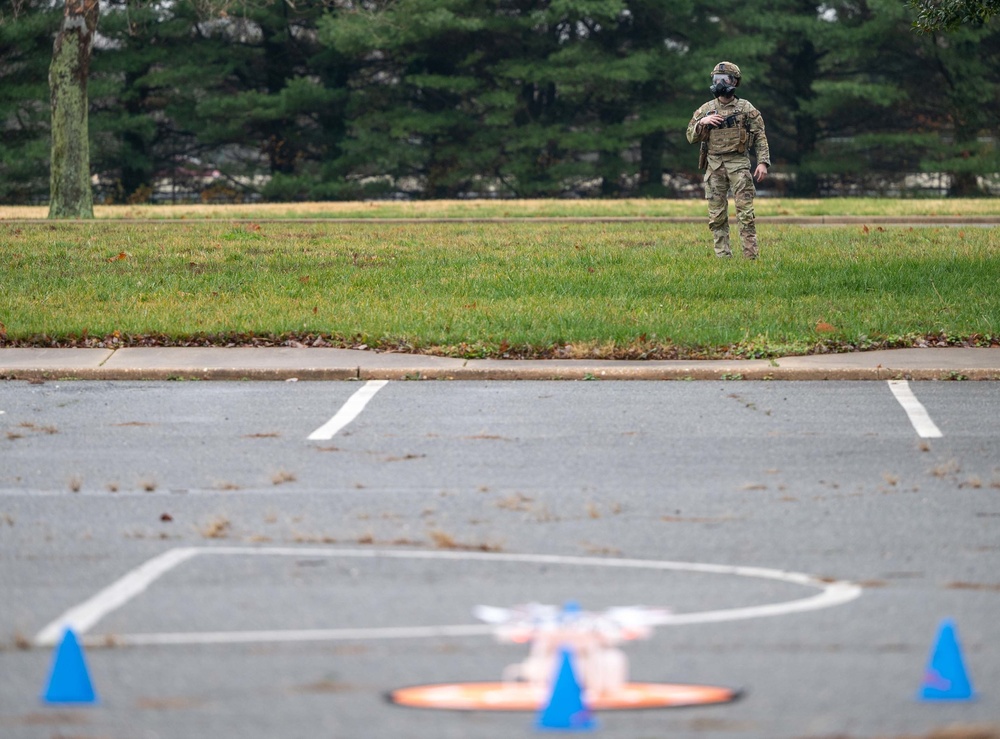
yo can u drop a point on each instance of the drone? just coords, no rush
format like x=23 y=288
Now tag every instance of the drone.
x=591 y=637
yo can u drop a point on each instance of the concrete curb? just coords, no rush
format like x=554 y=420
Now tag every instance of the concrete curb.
x=285 y=363
x=681 y=374
x=541 y=374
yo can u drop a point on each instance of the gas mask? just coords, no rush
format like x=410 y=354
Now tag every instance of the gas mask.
x=722 y=85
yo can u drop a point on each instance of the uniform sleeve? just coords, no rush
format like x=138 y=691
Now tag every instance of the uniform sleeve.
x=761 y=149
x=696 y=135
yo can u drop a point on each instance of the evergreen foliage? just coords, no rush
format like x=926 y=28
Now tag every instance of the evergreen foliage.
x=946 y=15
x=344 y=99
x=26 y=33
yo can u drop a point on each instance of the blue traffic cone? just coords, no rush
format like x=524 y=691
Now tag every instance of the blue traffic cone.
x=945 y=678
x=69 y=681
x=565 y=709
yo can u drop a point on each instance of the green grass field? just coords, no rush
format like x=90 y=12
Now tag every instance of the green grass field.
x=486 y=289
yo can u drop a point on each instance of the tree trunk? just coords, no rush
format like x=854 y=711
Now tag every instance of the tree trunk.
x=69 y=181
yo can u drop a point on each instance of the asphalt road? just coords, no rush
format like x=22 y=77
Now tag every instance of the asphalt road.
x=290 y=542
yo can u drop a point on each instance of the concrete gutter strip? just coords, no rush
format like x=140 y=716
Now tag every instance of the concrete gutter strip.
x=286 y=363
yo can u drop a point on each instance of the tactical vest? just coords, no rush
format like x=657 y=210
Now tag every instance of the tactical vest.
x=733 y=139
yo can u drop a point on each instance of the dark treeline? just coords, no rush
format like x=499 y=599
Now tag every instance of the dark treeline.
x=295 y=100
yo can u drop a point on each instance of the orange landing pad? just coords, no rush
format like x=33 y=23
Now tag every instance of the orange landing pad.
x=524 y=697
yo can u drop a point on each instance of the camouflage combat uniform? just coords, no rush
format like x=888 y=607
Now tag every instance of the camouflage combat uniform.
x=729 y=167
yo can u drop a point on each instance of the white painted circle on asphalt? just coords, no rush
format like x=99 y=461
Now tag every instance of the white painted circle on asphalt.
x=85 y=615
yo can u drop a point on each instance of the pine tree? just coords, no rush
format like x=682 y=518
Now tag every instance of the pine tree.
x=422 y=107
x=528 y=97
x=26 y=32
x=275 y=103
x=948 y=15
x=452 y=98
x=150 y=62
x=892 y=101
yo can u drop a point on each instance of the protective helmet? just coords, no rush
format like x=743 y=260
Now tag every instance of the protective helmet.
x=728 y=68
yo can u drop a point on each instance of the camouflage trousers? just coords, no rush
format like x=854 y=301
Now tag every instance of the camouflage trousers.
x=731 y=173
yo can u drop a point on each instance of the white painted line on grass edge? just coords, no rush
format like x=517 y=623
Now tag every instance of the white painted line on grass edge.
x=921 y=420
x=349 y=411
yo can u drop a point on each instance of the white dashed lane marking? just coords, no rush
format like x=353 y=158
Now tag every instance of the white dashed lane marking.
x=86 y=614
x=350 y=410
x=921 y=420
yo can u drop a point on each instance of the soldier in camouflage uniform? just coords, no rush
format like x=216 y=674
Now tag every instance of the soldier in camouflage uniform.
x=727 y=129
